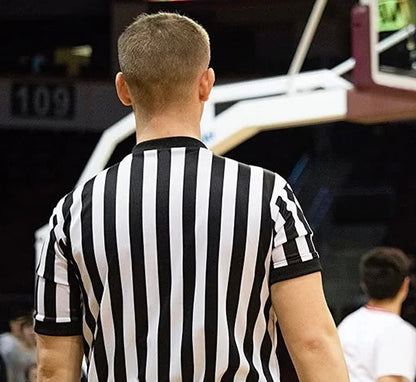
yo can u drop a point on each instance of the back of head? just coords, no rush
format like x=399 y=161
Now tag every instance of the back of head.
x=160 y=56
x=382 y=272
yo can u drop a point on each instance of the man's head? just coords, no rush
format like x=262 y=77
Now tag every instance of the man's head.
x=161 y=58
x=20 y=316
x=383 y=271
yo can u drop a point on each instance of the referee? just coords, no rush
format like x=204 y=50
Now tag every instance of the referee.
x=175 y=264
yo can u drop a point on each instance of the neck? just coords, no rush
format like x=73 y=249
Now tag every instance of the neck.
x=387 y=305
x=169 y=123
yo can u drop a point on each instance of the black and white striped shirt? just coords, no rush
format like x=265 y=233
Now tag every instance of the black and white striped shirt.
x=164 y=261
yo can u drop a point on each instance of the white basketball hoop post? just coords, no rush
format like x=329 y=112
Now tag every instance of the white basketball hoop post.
x=305 y=42
x=382 y=46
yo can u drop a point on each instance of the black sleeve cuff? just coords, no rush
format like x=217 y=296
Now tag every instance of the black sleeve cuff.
x=58 y=329
x=295 y=270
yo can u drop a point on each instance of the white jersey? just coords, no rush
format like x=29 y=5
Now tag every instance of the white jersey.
x=378 y=343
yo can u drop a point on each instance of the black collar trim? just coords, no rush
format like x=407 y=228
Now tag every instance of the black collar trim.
x=167 y=143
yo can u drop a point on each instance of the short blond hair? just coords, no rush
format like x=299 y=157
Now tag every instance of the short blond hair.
x=160 y=56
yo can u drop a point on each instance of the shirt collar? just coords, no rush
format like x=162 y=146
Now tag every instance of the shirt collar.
x=167 y=143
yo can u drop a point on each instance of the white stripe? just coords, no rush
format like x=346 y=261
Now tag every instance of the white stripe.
x=106 y=316
x=307 y=227
x=63 y=313
x=59 y=232
x=123 y=249
x=42 y=261
x=107 y=324
x=201 y=243
x=97 y=212
x=278 y=219
x=261 y=325
x=60 y=263
x=92 y=369
x=75 y=227
x=280 y=236
x=303 y=248
x=40 y=314
x=278 y=256
x=98 y=225
x=291 y=206
x=279 y=183
x=250 y=257
x=76 y=245
x=150 y=261
x=63 y=319
x=40 y=306
x=224 y=261
x=176 y=255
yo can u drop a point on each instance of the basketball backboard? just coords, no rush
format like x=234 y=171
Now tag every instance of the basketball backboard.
x=396 y=67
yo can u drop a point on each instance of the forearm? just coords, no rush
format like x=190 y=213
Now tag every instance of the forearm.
x=59 y=358
x=45 y=373
x=319 y=359
x=309 y=330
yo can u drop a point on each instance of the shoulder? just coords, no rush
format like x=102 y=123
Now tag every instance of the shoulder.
x=352 y=320
x=126 y=160
x=406 y=328
x=270 y=178
x=76 y=192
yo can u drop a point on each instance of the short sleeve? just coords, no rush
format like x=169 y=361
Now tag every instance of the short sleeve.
x=293 y=250
x=396 y=352
x=57 y=294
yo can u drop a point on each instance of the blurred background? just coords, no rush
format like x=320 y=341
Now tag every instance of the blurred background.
x=356 y=183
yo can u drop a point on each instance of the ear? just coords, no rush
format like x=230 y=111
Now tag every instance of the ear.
x=405 y=286
x=363 y=287
x=205 y=84
x=123 y=90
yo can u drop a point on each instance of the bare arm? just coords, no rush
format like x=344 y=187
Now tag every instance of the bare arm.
x=391 y=378
x=59 y=358
x=308 y=329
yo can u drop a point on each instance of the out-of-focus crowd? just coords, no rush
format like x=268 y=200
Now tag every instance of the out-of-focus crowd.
x=18 y=346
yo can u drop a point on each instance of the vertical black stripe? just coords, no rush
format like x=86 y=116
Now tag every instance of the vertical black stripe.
x=101 y=363
x=311 y=246
x=49 y=275
x=265 y=237
x=87 y=240
x=114 y=279
x=188 y=203
x=211 y=295
x=266 y=346
x=163 y=259
x=89 y=254
x=66 y=211
x=291 y=252
x=137 y=260
x=75 y=298
x=86 y=348
x=236 y=269
x=302 y=218
x=289 y=247
x=74 y=275
x=75 y=295
x=300 y=215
